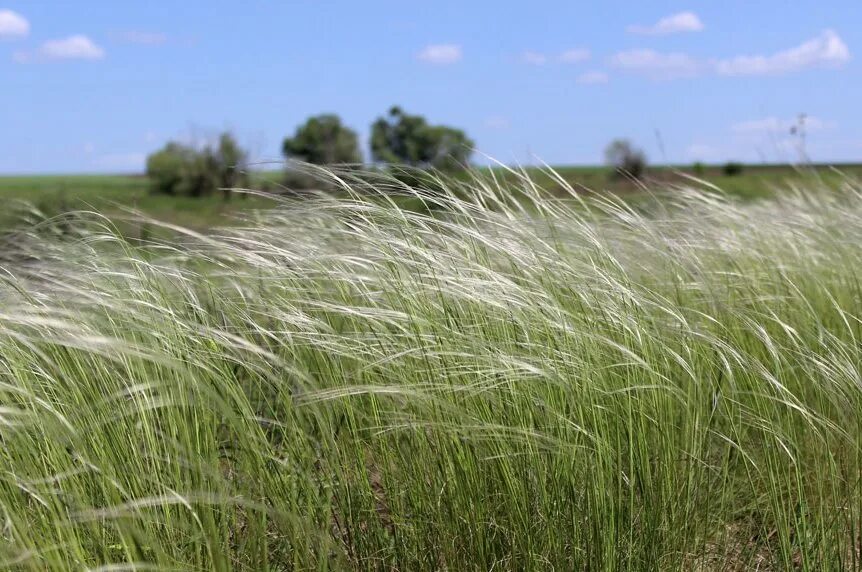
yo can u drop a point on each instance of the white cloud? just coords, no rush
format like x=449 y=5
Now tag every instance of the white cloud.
x=592 y=78
x=657 y=65
x=497 y=122
x=675 y=23
x=441 y=54
x=140 y=37
x=778 y=125
x=575 y=56
x=827 y=49
x=534 y=58
x=13 y=25
x=77 y=47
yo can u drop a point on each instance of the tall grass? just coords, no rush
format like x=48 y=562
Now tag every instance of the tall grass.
x=496 y=381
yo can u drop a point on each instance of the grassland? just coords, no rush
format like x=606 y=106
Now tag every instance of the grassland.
x=755 y=182
x=348 y=385
x=113 y=195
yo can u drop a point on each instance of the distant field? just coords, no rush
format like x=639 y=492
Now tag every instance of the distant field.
x=754 y=181
x=113 y=194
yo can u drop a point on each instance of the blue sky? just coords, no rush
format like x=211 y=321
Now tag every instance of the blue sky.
x=94 y=85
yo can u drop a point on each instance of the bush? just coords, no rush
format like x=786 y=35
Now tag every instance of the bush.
x=732 y=169
x=168 y=167
x=230 y=162
x=179 y=169
x=698 y=169
x=626 y=159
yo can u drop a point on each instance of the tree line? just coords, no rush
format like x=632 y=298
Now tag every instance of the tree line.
x=406 y=144
x=398 y=139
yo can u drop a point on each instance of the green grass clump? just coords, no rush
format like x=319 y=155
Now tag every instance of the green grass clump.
x=506 y=383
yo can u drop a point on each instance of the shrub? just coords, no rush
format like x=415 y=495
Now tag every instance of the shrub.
x=231 y=164
x=625 y=159
x=167 y=167
x=179 y=169
x=732 y=168
x=698 y=169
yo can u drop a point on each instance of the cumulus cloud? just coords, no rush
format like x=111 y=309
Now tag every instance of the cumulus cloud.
x=657 y=65
x=575 y=56
x=77 y=47
x=673 y=24
x=826 y=50
x=592 y=78
x=441 y=54
x=13 y=25
x=534 y=58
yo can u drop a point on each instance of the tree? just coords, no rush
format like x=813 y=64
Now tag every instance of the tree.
x=625 y=158
x=179 y=169
x=231 y=162
x=732 y=168
x=404 y=139
x=323 y=140
x=170 y=168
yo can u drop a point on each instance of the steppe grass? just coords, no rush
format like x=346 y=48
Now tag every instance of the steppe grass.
x=495 y=382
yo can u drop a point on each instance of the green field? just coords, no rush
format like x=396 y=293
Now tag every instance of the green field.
x=345 y=384
x=754 y=182
x=114 y=195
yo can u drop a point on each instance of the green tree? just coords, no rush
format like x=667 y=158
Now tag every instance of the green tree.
x=323 y=140
x=231 y=163
x=625 y=158
x=732 y=168
x=199 y=176
x=404 y=139
x=169 y=167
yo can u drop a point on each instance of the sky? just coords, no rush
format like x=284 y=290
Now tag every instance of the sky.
x=96 y=85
